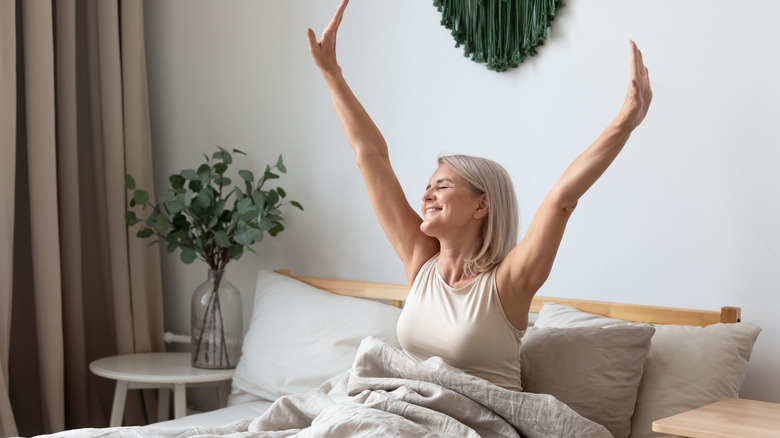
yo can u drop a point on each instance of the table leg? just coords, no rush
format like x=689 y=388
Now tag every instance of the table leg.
x=118 y=408
x=163 y=403
x=179 y=400
x=223 y=388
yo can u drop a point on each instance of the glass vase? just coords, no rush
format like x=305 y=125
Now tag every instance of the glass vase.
x=217 y=327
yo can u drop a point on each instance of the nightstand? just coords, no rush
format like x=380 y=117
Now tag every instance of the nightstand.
x=166 y=371
x=729 y=418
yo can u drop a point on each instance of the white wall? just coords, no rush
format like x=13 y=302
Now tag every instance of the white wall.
x=687 y=216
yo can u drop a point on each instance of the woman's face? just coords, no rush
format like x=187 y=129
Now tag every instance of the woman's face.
x=449 y=204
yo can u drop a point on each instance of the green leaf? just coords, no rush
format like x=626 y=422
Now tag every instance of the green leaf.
x=281 y=192
x=188 y=198
x=259 y=199
x=220 y=168
x=144 y=233
x=220 y=208
x=270 y=175
x=266 y=224
x=236 y=252
x=177 y=181
x=141 y=197
x=151 y=221
x=243 y=238
x=280 y=165
x=129 y=182
x=132 y=203
x=180 y=222
x=174 y=206
x=236 y=151
x=163 y=223
x=172 y=245
x=247 y=175
x=221 y=238
x=189 y=174
x=250 y=214
x=222 y=180
x=188 y=255
x=196 y=186
x=278 y=228
x=131 y=218
x=179 y=236
x=203 y=199
x=243 y=205
x=257 y=235
x=297 y=204
x=168 y=196
x=204 y=171
x=271 y=198
x=226 y=157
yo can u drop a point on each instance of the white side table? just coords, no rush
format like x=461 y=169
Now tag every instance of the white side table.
x=166 y=371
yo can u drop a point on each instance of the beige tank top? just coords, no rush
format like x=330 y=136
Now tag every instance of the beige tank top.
x=466 y=327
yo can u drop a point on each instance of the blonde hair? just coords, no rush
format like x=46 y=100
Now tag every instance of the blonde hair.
x=499 y=232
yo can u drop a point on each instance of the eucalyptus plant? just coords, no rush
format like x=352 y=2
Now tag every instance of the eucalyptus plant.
x=205 y=218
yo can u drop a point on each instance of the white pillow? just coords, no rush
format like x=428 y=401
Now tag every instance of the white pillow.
x=300 y=336
x=687 y=367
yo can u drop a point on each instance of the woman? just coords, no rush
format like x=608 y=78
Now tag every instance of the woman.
x=471 y=287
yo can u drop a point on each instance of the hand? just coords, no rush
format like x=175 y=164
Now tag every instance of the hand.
x=324 y=50
x=639 y=94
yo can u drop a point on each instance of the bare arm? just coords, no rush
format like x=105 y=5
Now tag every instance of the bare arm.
x=528 y=265
x=398 y=219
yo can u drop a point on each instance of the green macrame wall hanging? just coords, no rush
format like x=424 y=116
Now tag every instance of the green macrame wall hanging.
x=500 y=33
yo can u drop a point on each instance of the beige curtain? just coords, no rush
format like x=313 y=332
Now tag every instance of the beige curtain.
x=75 y=284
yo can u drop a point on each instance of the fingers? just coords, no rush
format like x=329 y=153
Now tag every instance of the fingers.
x=639 y=94
x=335 y=22
x=311 y=37
x=639 y=71
x=637 y=67
x=324 y=49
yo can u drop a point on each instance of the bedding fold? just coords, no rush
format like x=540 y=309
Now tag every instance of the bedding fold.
x=387 y=393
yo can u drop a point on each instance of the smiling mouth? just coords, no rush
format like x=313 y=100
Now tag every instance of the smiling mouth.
x=431 y=209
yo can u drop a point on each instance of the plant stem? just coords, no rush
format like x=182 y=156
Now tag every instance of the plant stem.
x=214 y=305
x=203 y=324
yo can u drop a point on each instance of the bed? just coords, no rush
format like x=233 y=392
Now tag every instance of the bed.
x=601 y=369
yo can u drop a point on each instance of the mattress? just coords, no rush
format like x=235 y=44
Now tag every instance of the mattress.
x=219 y=417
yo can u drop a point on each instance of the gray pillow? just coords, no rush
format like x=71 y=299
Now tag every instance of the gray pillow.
x=687 y=367
x=594 y=370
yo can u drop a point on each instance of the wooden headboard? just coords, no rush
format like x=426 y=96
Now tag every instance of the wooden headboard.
x=396 y=294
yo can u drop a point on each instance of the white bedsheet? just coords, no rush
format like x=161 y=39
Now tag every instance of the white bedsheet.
x=219 y=417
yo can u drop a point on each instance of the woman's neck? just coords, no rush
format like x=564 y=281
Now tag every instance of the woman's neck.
x=451 y=265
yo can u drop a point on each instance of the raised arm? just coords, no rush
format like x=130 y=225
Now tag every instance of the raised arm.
x=528 y=265
x=398 y=219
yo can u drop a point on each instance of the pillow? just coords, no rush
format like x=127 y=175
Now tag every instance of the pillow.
x=300 y=336
x=557 y=315
x=594 y=370
x=687 y=367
